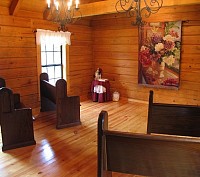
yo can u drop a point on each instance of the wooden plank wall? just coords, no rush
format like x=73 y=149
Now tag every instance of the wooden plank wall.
x=18 y=57
x=111 y=43
x=115 y=50
x=81 y=64
x=18 y=64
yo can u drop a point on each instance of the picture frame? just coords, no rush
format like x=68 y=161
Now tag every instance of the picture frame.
x=160 y=54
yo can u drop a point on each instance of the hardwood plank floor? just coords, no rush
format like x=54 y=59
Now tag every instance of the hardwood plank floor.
x=71 y=152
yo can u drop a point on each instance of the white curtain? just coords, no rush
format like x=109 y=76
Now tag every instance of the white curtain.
x=52 y=37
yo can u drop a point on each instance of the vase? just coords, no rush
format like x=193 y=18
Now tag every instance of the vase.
x=162 y=68
x=116 y=96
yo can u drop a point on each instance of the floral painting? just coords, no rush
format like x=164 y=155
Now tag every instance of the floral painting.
x=159 y=54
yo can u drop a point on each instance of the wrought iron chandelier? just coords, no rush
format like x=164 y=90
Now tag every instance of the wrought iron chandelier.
x=138 y=8
x=62 y=12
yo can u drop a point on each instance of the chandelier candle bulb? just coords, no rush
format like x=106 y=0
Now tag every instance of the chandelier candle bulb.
x=56 y=4
x=48 y=3
x=77 y=3
x=62 y=12
x=69 y=5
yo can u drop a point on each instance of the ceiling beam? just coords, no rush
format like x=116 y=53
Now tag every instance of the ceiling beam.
x=98 y=8
x=14 y=6
x=108 y=6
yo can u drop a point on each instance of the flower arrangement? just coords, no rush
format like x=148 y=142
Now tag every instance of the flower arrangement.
x=162 y=46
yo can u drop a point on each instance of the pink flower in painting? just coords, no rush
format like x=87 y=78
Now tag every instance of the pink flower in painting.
x=145 y=56
x=156 y=38
x=169 y=45
x=155 y=56
x=174 y=34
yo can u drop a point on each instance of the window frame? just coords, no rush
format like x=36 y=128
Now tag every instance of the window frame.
x=53 y=64
x=65 y=54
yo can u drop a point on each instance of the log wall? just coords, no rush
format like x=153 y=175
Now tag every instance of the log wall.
x=18 y=57
x=111 y=43
x=80 y=63
x=115 y=50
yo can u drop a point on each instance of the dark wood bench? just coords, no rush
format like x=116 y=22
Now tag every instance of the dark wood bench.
x=173 y=119
x=144 y=154
x=16 y=124
x=17 y=102
x=2 y=82
x=54 y=98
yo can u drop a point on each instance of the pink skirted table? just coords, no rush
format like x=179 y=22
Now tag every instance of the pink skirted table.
x=101 y=90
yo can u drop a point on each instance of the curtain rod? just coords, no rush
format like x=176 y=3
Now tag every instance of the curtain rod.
x=35 y=31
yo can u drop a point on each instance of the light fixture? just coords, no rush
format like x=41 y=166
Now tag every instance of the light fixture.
x=62 y=12
x=138 y=8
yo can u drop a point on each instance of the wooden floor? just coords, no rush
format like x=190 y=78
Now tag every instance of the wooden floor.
x=71 y=152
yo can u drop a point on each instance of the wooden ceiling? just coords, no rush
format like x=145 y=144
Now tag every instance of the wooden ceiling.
x=88 y=7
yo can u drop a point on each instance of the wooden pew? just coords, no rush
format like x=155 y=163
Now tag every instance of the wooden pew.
x=144 y=154
x=17 y=103
x=173 y=119
x=2 y=82
x=16 y=124
x=54 y=98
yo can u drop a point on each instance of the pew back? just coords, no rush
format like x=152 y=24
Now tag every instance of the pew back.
x=54 y=98
x=173 y=119
x=147 y=155
x=47 y=94
x=16 y=124
x=48 y=90
x=2 y=82
x=17 y=103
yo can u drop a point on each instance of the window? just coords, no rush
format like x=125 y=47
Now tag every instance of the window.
x=52 y=49
x=52 y=61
